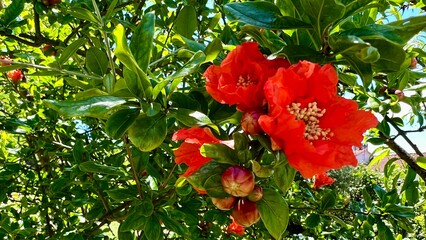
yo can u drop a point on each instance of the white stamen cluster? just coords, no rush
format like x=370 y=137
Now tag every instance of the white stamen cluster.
x=245 y=82
x=311 y=115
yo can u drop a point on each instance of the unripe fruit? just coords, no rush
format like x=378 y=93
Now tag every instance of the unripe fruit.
x=250 y=123
x=224 y=203
x=245 y=212
x=5 y=61
x=238 y=181
x=15 y=75
x=400 y=95
x=256 y=194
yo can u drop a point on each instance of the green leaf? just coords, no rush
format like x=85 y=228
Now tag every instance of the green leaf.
x=12 y=12
x=148 y=133
x=261 y=171
x=409 y=178
x=84 y=14
x=400 y=211
x=353 y=45
x=186 y=22
x=421 y=161
x=142 y=39
x=312 y=220
x=90 y=166
x=262 y=14
x=367 y=198
x=384 y=232
x=188 y=68
x=96 y=61
x=190 y=118
x=328 y=200
x=323 y=13
x=220 y=152
x=172 y=224
x=134 y=221
x=122 y=194
x=136 y=80
x=98 y=106
x=199 y=177
x=284 y=175
x=153 y=229
x=213 y=186
x=274 y=212
x=213 y=49
x=71 y=50
x=118 y=123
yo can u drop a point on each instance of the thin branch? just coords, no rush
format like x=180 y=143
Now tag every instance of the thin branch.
x=133 y=166
x=404 y=156
x=404 y=135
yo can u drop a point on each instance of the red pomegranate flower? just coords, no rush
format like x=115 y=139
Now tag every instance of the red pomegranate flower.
x=315 y=127
x=322 y=180
x=240 y=77
x=189 y=150
x=15 y=75
x=236 y=228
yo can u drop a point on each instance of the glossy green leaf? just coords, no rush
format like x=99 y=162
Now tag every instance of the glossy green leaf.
x=328 y=200
x=98 y=106
x=284 y=175
x=421 y=161
x=274 y=212
x=323 y=13
x=148 y=133
x=135 y=220
x=96 y=61
x=213 y=49
x=142 y=41
x=186 y=22
x=312 y=220
x=118 y=123
x=190 y=118
x=12 y=12
x=199 y=177
x=384 y=232
x=188 y=68
x=213 y=186
x=71 y=50
x=84 y=14
x=93 y=167
x=220 y=152
x=122 y=194
x=136 y=80
x=349 y=44
x=153 y=229
x=172 y=224
x=262 y=14
x=367 y=198
x=261 y=171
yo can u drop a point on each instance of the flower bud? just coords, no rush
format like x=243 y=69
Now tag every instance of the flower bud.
x=224 y=203
x=256 y=194
x=15 y=75
x=245 y=212
x=400 y=95
x=238 y=181
x=250 y=124
x=5 y=61
x=413 y=63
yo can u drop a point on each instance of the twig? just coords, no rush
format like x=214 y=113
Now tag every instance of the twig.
x=133 y=166
x=403 y=134
x=404 y=156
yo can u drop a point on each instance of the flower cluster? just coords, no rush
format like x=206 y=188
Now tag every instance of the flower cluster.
x=305 y=117
x=296 y=106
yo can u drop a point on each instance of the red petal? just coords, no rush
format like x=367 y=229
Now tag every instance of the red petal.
x=322 y=179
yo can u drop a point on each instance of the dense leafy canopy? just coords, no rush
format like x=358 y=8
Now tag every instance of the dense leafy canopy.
x=92 y=92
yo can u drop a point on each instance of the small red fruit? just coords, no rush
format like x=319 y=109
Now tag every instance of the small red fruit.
x=48 y=50
x=245 y=212
x=256 y=194
x=238 y=181
x=224 y=203
x=15 y=75
x=5 y=61
x=51 y=2
x=413 y=63
x=250 y=124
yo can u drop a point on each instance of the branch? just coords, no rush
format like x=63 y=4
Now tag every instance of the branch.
x=404 y=156
x=404 y=135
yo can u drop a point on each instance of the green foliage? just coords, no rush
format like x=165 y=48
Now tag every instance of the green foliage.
x=86 y=148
